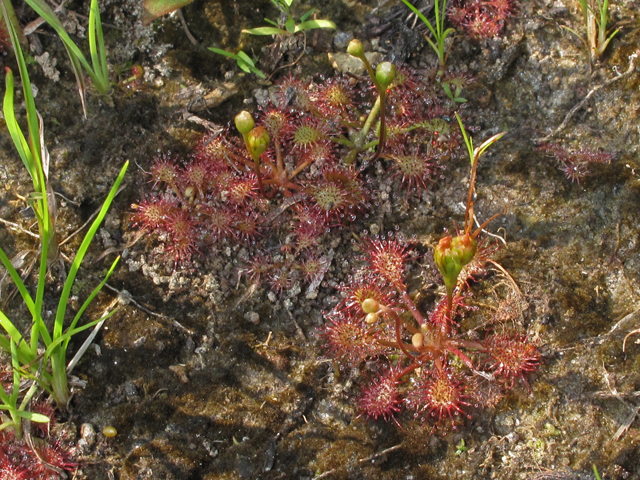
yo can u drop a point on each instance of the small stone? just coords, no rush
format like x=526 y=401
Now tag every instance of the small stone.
x=88 y=434
x=341 y=40
x=181 y=372
x=252 y=317
x=346 y=63
x=130 y=389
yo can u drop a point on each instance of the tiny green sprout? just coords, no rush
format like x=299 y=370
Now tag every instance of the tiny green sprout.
x=595 y=471
x=461 y=448
x=438 y=31
x=243 y=60
x=290 y=27
x=454 y=96
x=595 y=14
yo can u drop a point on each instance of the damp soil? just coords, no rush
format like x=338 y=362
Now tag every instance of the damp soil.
x=205 y=377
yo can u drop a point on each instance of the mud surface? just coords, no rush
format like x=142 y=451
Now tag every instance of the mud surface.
x=206 y=376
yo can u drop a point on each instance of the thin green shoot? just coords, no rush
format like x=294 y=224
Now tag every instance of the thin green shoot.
x=476 y=153
x=597 y=36
x=454 y=96
x=474 y=156
x=290 y=27
x=595 y=471
x=439 y=33
x=242 y=59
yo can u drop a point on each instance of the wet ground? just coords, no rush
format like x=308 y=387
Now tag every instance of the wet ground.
x=207 y=377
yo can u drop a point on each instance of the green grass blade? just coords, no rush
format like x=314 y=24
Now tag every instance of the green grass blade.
x=478 y=152
x=34 y=141
x=90 y=298
x=467 y=139
x=82 y=250
x=75 y=54
x=14 y=128
x=97 y=48
x=32 y=116
x=15 y=365
x=66 y=336
x=245 y=58
x=15 y=276
x=10 y=328
x=25 y=356
x=424 y=19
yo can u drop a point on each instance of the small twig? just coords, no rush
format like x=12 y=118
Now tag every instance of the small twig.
x=572 y=112
x=214 y=128
x=603 y=394
x=626 y=424
x=634 y=410
x=622 y=321
x=32 y=26
x=299 y=330
x=89 y=340
x=186 y=28
x=634 y=332
x=77 y=204
x=125 y=297
x=613 y=389
x=17 y=227
x=475 y=219
x=358 y=462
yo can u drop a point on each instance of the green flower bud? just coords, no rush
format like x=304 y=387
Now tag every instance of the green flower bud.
x=244 y=122
x=257 y=142
x=465 y=246
x=385 y=73
x=355 y=48
x=451 y=255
